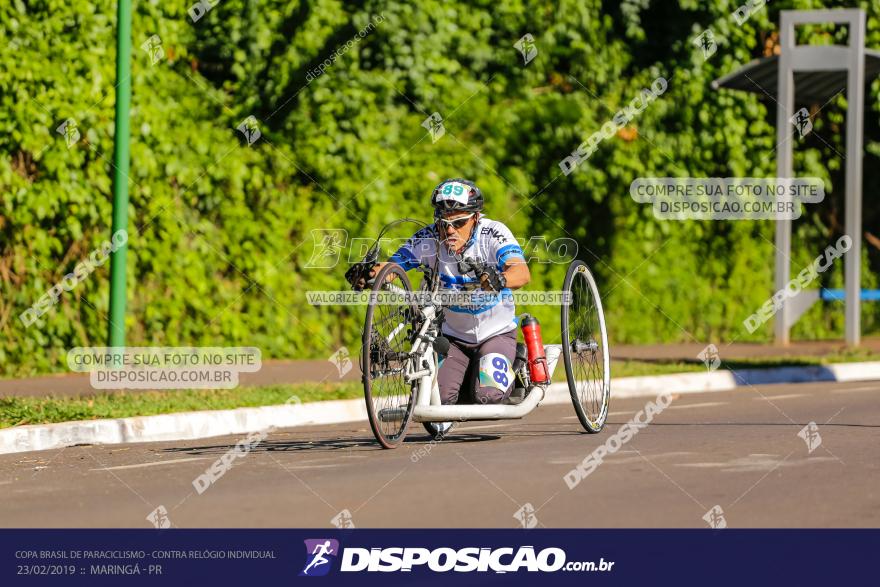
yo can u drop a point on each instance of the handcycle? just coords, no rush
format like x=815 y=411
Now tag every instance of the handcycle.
x=402 y=343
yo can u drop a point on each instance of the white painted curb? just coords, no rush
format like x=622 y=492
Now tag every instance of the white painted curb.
x=179 y=426
x=205 y=424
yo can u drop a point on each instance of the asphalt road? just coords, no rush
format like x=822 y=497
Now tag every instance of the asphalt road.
x=737 y=450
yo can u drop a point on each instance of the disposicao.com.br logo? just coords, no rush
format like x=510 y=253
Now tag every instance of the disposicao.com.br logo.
x=444 y=559
x=320 y=554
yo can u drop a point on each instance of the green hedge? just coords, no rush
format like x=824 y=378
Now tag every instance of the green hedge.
x=220 y=232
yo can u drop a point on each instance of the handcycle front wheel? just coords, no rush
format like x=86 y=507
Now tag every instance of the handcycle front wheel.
x=585 y=348
x=387 y=335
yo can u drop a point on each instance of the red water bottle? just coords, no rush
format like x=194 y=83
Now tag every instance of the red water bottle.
x=537 y=360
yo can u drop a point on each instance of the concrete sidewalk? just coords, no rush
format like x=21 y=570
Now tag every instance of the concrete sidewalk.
x=738 y=350
x=276 y=372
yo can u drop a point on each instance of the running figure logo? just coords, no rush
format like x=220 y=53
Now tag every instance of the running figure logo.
x=801 y=121
x=250 y=128
x=810 y=435
x=526 y=516
x=710 y=357
x=434 y=125
x=69 y=131
x=706 y=42
x=715 y=518
x=328 y=243
x=159 y=517
x=320 y=553
x=153 y=47
x=527 y=48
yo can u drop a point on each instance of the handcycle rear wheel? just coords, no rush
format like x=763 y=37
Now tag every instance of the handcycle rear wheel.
x=585 y=348
x=385 y=355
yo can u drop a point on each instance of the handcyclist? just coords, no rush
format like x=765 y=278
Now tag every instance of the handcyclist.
x=482 y=334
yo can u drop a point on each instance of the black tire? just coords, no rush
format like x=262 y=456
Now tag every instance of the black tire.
x=387 y=336
x=585 y=348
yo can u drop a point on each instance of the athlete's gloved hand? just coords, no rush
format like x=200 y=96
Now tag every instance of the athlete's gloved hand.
x=358 y=274
x=492 y=279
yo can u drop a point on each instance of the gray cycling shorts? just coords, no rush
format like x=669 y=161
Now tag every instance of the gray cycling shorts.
x=485 y=367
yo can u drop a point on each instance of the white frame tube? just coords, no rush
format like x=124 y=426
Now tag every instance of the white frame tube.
x=456 y=412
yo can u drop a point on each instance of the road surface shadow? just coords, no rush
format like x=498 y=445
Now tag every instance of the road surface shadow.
x=326 y=445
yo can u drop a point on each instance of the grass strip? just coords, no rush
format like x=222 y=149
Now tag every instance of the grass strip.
x=18 y=411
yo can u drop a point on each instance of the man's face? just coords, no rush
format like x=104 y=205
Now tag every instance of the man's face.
x=456 y=227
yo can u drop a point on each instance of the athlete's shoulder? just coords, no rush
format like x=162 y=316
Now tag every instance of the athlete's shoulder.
x=495 y=230
x=428 y=232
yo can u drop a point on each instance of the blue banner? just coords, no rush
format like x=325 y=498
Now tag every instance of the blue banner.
x=435 y=557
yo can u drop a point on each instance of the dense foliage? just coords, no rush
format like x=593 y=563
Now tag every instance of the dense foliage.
x=221 y=231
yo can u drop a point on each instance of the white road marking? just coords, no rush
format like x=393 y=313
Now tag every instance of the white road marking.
x=621 y=457
x=575 y=460
x=306 y=467
x=698 y=405
x=755 y=463
x=345 y=458
x=154 y=464
x=856 y=389
x=784 y=396
x=322 y=463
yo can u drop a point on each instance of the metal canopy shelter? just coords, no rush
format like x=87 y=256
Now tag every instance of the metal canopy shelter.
x=811 y=87
x=806 y=74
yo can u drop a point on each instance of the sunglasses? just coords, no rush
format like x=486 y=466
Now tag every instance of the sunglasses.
x=455 y=222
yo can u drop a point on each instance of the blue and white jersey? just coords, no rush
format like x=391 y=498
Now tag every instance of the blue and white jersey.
x=491 y=243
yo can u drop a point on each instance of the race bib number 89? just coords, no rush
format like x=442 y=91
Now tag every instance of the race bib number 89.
x=495 y=371
x=455 y=191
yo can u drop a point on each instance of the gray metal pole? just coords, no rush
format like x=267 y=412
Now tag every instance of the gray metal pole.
x=855 y=92
x=784 y=111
